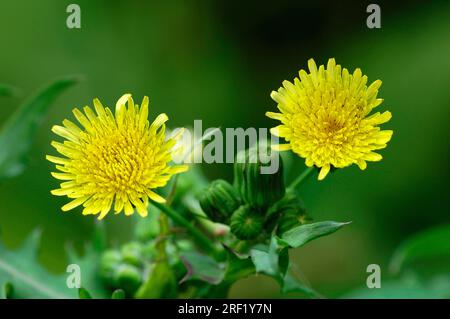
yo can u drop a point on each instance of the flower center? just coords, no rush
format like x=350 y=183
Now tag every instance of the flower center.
x=117 y=162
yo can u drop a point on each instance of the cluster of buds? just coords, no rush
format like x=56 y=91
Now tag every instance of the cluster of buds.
x=256 y=203
x=123 y=268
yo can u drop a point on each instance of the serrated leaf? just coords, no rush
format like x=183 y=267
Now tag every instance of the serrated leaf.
x=431 y=243
x=303 y=234
x=29 y=279
x=118 y=294
x=84 y=294
x=16 y=135
x=202 y=267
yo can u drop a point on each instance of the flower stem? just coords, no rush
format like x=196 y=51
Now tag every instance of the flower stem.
x=164 y=232
x=203 y=241
x=301 y=178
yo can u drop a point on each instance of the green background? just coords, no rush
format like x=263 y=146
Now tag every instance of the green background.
x=218 y=61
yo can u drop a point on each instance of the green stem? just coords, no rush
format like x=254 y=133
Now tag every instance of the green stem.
x=301 y=178
x=203 y=241
x=163 y=232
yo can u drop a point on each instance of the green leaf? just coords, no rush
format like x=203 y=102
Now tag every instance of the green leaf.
x=431 y=243
x=202 y=267
x=299 y=236
x=84 y=294
x=266 y=258
x=291 y=284
x=273 y=260
x=8 y=90
x=89 y=262
x=237 y=267
x=20 y=269
x=18 y=132
x=406 y=288
x=118 y=294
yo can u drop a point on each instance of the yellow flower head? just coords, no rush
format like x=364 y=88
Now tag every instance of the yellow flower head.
x=325 y=117
x=114 y=158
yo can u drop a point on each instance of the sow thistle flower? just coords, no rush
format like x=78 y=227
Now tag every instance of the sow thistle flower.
x=113 y=160
x=326 y=120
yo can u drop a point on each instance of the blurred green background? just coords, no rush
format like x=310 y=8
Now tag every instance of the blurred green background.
x=218 y=61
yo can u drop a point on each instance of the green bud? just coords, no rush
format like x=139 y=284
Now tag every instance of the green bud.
x=127 y=277
x=219 y=201
x=132 y=253
x=258 y=189
x=289 y=212
x=109 y=261
x=246 y=223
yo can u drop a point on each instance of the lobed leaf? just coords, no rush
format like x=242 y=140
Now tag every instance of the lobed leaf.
x=20 y=269
x=17 y=134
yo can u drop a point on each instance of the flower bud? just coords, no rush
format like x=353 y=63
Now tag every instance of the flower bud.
x=256 y=187
x=289 y=212
x=220 y=201
x=132 y=253
x=127 y=277
x=246 y=223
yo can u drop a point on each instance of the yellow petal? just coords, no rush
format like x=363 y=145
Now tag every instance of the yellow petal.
x=75 y=203
x=155 y=197
x=275 y=116
x=57 y=160
x=65 y=133
x=99 y=109
x=160 y=120
x=122 y=101
x=362 y=164
x=178 y=169
x=63 y=176
x=323 y=172
x=373 y=157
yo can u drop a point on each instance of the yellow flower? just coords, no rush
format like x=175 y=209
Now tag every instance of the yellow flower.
x=114 y=159
x=326 y=119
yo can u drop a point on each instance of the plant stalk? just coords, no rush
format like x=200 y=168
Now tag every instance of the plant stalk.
x=301 y=178
x=203 y=241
